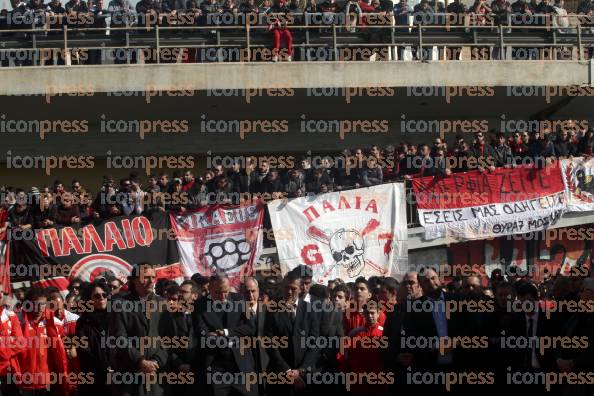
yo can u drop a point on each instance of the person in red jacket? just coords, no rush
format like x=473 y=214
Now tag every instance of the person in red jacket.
x=365 y=353
x=11 y=344
x=43 y=365
x=68 y=320
x=353 y=315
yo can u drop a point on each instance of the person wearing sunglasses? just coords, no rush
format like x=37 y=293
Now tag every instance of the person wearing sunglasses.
x=104 y=206
x=93 y=356
x=128 y=198
x=74 y=286
x=115 y=285
x=483 y=151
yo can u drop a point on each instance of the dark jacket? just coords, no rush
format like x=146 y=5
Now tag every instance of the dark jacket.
x=130 y=320
x=62 y=215
x=222 y=353
x=80 y=7
x=93 y=357
x=503 y=155
x=240 y=181
x=281 y=324
x=331 y=329
x=178 y=326
x=420 y=325
x=544 y=328
x=372 y=176
x=261 y=357
x=316 y=183
x=271 y=186
x=564 y=148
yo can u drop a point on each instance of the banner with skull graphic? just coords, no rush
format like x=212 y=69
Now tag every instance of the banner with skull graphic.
x=220 y=238
x=343 y=234
x=578 y=175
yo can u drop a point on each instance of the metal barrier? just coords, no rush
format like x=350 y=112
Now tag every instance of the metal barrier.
x=334 y=41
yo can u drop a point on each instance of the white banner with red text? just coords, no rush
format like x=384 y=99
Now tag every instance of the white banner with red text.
x=343 y=234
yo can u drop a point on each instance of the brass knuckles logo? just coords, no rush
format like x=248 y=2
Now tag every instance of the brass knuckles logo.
x=227 y=255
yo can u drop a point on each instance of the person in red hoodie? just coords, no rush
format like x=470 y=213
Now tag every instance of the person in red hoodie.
x=365 y=354
x=43 y=365
x=11 y=344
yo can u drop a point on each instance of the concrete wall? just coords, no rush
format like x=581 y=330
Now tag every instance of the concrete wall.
x=105 y=78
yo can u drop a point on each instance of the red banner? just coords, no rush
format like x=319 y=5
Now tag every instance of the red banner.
x=476 y=205
x=220 y=238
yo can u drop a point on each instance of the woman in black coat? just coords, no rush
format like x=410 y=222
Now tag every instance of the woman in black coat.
x=92 y=325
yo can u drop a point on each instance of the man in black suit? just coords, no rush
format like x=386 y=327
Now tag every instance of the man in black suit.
x=331 y=334
x=529 y=327
x=221 y=324
x=292 y=319
x=135 y=317
x=426 y=325
x=395 y=358
x=178 y=327
x=497 y=325
x=306 y=274
x=256 y=312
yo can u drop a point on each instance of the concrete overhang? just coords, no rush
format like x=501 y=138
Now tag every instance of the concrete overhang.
x=202 y=76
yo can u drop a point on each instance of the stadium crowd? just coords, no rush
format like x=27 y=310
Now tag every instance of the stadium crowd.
x=206 y=335
x=247 y=179
x=278 y=15
x=290 y=336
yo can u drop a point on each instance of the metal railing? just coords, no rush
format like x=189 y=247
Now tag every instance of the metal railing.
x=333 y=41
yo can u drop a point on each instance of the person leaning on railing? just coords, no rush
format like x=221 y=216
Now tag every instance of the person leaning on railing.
x=500 y=9
x=56 y=13
x=148 y=9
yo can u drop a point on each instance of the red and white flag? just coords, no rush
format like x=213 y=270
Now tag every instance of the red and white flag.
x=220 y=238
x=578 y=174
x=478 y=205
x=343 y=234
x=5 y=286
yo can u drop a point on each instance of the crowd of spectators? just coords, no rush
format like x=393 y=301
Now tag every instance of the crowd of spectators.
x=278 y=15
x=398 y=330
x=252 y=178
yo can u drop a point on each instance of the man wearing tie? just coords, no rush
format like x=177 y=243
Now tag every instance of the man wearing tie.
x=529 y=326
x=256 y=312
x=137 y=315
x=219 y=322
x=294 y=320
x=428 y=327
x=178 y=325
